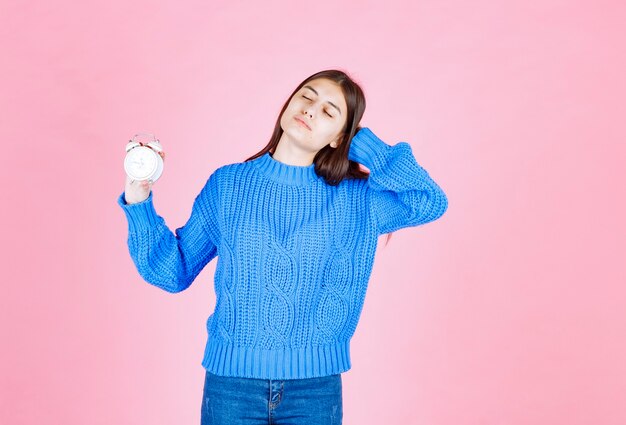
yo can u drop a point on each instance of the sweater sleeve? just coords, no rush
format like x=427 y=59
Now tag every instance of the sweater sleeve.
x=400 y=192
x=171 y=261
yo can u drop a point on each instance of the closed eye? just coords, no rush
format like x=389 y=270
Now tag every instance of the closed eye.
x=326 y=112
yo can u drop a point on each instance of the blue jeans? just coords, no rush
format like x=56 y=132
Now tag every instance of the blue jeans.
x=235 y=401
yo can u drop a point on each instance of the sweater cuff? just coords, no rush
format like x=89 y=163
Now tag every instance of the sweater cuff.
x=140 y=215
x=367 y=149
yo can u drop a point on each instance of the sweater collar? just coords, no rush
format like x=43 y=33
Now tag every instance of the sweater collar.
x=290 y=174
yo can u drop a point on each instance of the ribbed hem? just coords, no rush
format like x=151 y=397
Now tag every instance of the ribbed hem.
x=140 y=215
x=285 y=173
x=288 y=363
x=367 y=149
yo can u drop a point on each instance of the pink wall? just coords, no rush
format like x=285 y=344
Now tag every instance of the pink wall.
x=514 y=299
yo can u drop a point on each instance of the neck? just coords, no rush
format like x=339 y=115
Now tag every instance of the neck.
x=289 y=153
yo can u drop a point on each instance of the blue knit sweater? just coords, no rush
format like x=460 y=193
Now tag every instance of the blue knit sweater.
x=294 y=254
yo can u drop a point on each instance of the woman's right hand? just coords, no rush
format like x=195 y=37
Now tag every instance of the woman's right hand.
x=138 y=190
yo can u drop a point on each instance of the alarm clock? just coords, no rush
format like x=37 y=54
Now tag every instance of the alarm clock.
x=143 y=161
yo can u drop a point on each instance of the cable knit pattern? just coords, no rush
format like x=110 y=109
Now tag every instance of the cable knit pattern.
x=294 y=254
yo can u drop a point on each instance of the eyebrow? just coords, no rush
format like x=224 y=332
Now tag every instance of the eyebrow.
x=331 y=103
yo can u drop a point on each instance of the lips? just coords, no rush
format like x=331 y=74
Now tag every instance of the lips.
x=302 y=122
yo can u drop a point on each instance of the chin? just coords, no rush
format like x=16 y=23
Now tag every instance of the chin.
x=297 y=132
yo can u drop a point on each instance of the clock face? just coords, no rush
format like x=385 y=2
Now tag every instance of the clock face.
x=140 y=163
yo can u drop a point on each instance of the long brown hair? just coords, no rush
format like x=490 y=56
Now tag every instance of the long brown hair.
x=331 y=163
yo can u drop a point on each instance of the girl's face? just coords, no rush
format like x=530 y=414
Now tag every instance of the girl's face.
x=315 y=116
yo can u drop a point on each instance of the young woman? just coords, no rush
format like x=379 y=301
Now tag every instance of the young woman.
x=295 y=229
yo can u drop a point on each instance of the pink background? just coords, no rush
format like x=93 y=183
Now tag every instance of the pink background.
x=507 y=310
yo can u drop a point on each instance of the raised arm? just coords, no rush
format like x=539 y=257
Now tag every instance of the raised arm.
x=400 y=192
x=171 y=261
